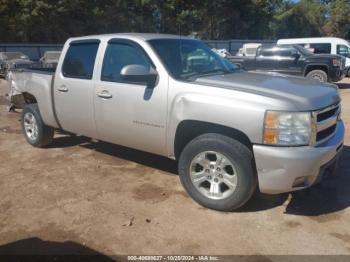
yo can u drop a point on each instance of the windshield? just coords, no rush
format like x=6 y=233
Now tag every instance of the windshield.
x=188 y=59
x=343 y=50
x=14 y=55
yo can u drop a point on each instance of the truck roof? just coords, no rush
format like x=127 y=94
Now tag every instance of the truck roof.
x=140 y=36
x=313 y=40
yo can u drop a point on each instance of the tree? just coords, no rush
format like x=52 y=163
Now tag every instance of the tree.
x=303 y=19
x=53 y=21
x=339 y=19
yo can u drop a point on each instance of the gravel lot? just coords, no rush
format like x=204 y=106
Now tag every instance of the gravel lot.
x=83 y=197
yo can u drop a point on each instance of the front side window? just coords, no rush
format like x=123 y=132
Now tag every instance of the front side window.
x=343 y=50
x=119 y=55
x=186 y=59
x=80 y=60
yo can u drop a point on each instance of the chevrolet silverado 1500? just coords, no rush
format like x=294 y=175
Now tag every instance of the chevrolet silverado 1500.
x=231 y=131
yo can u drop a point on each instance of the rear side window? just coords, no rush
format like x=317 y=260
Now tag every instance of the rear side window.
x=119 y=55
x=321 y=48
x=80 y=60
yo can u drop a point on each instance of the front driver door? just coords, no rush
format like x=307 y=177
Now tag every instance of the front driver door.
x=266 y=60
x=290 y=61
x=130 y=114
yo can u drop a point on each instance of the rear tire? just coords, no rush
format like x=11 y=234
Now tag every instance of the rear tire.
x=318 y=74
x=218 y=172
x=35 y=131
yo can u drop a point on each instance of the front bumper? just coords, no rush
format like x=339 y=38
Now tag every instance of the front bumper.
x=347 y=71
x=286 y=169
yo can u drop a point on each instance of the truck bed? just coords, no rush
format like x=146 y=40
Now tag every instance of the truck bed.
x=246 y=62
x=38 y=83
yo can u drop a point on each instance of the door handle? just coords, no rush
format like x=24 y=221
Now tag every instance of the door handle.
x=62 y=88
x=104 y=94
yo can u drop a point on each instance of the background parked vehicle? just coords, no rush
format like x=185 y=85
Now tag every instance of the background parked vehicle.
x=248 y=49
x=294 y=60
x=50 y=59
x=229 y=129
x=13 y=60
x=323 y=45
x=222 y=52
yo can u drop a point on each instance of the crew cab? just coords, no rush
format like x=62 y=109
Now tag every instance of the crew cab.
x=231 y=131
x=294 y=60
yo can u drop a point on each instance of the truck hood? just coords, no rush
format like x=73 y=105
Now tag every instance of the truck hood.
x=326 y=56
x=305 y=94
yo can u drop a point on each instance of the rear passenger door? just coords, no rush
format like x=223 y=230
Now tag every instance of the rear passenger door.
x=74 y=88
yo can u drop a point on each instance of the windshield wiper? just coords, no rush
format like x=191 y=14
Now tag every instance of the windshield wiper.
x=206 y=73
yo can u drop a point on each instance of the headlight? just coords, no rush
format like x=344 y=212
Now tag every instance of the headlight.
x=287 y=128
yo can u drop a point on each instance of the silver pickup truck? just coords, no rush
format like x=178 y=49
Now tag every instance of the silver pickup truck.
x=230 y=131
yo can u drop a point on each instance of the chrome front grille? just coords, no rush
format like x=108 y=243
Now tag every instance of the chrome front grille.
x=325 y=123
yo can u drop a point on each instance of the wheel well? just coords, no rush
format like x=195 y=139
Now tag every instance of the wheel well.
x=29 y=98
x=316 y=67
x=187 y=130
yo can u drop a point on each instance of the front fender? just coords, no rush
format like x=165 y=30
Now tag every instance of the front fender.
x=238 y=114
x=314 y=64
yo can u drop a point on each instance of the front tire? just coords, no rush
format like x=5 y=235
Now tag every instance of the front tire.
x=218 y=172
x=35 y=131
x=319 y=75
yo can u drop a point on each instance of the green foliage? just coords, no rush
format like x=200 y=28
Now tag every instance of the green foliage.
x=305 y=18
x=53 y=21
x=339 y=21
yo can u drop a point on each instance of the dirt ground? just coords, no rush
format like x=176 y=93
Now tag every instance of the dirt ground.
x=84 y=197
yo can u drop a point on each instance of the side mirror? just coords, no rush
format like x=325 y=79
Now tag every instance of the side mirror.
x=139 y=74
